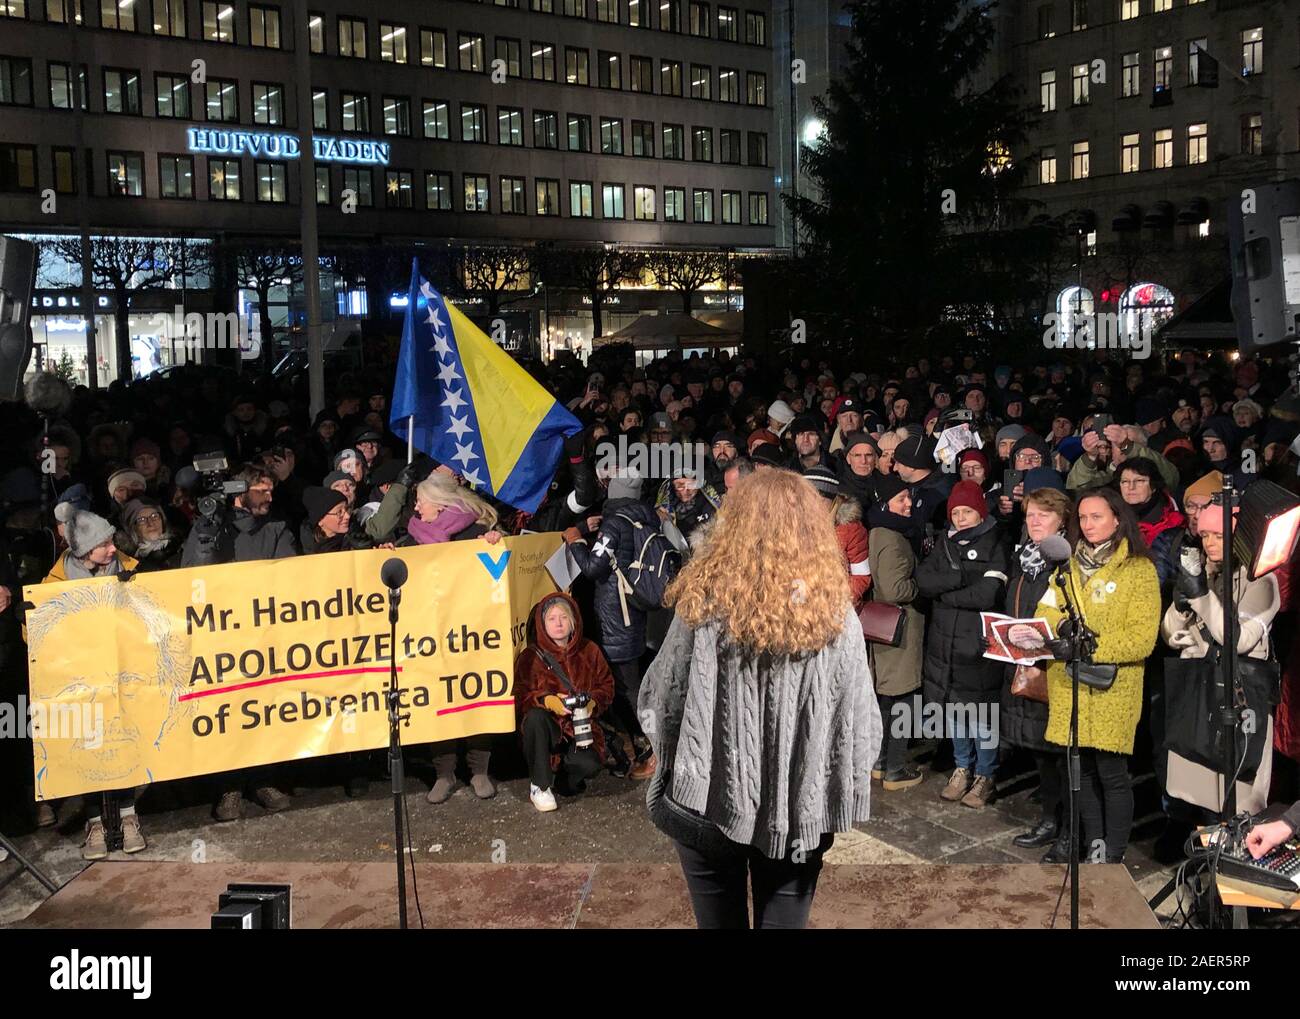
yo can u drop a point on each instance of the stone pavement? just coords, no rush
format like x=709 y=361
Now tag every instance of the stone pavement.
x=608 y=824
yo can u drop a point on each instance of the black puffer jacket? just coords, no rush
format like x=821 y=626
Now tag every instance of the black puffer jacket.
x=1023 y=721
x=964 y=575
x=618 y=538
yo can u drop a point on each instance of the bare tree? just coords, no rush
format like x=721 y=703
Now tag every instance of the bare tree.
x=687 y=271
x=259 y=267
x=597 y=272
x=125 y=266
x=494 y=273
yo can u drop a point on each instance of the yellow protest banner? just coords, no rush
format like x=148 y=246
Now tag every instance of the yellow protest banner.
x=197 y=671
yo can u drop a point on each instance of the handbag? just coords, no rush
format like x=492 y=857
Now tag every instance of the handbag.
x=1194 y=699
x=1097 y=675
x=882 y=623
x=1030 y=682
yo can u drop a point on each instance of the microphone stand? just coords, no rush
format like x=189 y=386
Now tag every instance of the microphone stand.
x=1078 y=640
x=395 y=767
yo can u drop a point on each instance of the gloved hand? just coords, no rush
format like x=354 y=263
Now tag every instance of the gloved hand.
x=575 y=445
x=572 y=534
x=1190 y=580
x=1061 y=648
x=554 y=704
x=410 y=475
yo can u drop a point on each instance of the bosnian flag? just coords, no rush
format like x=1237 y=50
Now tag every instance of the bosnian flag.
x=468 y=405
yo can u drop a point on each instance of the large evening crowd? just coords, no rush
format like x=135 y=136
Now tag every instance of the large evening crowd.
x=942 y=480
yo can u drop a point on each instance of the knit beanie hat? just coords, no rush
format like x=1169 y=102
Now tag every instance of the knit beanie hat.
x=1043 y=477
x=767 y=453
x=82 y=529
x=1205 y=487
x=805 y=423
x=143 y=445
x=860 y=439
x=916 y=452
x=334 y=476
x=76 y=496
x=625 y=485
x=344 y=455
x=967 y=493
x=1013 y=432
x=780 y=412
x=134 y=508
x=126 y=476
x=888 y=486
x=319 y=501
x=972 y=454
x=824 y=480
x=1071 y=447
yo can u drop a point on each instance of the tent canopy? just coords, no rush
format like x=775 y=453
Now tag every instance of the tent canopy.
x=670 y=331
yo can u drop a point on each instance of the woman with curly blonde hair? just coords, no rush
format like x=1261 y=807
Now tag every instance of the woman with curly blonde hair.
x=760 y=707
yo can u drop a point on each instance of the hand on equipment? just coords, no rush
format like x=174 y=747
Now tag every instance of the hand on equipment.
x=554 y=704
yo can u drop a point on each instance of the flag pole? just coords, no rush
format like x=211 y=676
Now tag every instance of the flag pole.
x=410 y=438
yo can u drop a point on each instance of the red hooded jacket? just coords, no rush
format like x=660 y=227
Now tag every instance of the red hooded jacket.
x=581 y=661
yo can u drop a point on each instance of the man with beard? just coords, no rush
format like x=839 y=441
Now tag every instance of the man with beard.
x=724 y=449
x=808 y=450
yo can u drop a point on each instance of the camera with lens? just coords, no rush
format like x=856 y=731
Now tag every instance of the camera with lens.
x=956 y=416
x=579 y=705
x=215 y=486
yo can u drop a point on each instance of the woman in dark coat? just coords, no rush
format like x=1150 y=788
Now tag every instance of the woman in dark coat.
x=1023 y=720
x=965 y=574
x=625 y=524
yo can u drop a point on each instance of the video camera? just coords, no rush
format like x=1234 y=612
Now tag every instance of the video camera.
x=214 y=485
x=954 y=416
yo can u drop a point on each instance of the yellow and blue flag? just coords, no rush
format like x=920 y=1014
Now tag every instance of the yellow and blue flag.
x=465 y=402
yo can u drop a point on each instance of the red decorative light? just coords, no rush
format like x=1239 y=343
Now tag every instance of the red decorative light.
x=1145 y=293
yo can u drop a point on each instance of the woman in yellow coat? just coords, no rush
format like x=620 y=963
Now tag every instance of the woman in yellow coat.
x=1113 y=584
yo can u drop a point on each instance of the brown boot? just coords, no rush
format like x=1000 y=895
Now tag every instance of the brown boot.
x=271 y=799
x=980 y=793
x=644 y=769
x=229 y=807
x=96 y=845
x=957 y=786
x=132 y=837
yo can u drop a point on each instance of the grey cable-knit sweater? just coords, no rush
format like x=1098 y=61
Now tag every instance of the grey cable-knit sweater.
x=770 y=748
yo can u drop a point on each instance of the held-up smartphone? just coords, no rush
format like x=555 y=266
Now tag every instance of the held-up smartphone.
x=1099 y=424
x=1010 y=479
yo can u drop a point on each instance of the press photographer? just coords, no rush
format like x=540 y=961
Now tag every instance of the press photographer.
x=233 y=523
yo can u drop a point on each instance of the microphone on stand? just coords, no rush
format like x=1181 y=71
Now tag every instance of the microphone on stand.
x=393 y=575
x=1055 y=550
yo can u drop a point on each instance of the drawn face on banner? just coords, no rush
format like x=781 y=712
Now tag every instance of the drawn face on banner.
x=130 y=680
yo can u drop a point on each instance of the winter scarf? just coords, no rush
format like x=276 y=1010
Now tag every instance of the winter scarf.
x=452 y=520
x=76 y=570
x=1093 y=557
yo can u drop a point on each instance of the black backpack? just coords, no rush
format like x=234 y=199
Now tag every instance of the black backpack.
x=648 y=575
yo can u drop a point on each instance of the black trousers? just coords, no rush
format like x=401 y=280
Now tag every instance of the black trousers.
x=1105 y=802
x=783 y=889
x=893 y=750
x=627 y=690
x=542 y=736
x=1052 y=778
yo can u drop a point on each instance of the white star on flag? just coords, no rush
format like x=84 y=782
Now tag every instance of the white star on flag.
x=454 y=400
x=441 y=345
x=465 y=453
x=426 y=290
x=447 y=373
x=473 y=478
x=434 y=320
x=458 y=427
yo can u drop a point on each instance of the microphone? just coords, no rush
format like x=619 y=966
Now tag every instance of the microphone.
x=393 y=575
x=1054 y=549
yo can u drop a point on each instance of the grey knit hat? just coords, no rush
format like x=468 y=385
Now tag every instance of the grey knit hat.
x=82 y=529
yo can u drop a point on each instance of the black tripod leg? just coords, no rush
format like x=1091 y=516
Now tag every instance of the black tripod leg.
x=28 y=866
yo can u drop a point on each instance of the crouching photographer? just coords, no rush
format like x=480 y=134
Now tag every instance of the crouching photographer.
x=562 y=684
